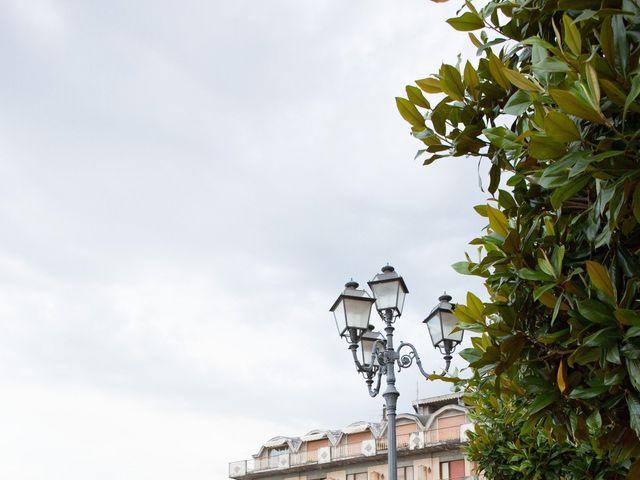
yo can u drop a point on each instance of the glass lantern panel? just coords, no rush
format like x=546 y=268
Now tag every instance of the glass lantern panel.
x=357 y=312
x=401 y=296
x=340 y=317
x=367 y=349
x=386 y=294
x=449 y=322
x=435 y=329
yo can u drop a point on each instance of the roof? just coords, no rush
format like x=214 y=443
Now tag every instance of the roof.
x=438 y=401
x=376 y=428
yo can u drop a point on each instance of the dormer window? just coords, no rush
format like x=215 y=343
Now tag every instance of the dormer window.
x=274 y=452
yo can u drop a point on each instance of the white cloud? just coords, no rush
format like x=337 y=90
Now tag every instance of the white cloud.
x=184 y=190
x=81 y=433
x=42 y=18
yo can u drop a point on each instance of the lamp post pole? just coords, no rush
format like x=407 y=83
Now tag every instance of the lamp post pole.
x=391 y=395
x=352 y=311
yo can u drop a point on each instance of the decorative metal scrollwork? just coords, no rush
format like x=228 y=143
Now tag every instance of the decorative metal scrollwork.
x=406 y=360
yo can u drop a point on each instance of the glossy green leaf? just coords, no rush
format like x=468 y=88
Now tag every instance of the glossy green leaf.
x=416 y=97
x=542 y=401
x=593 y=83
x=585 y=15
x=429 y=85
x=428 y=137
x=620 y=43
x=631 y=351
x=506 y=200
x=536 y=275
x=600 y=278
x=461 y=267
x=444 y=378
x=633 y=331
x=439 y=116
x=633 y=369
x=475 y=305
x=520 y=81
x=542 y=147
x=612 y=92
x=464 y=314
x=496 y=67
x=627 y=317
x=557 y=258
x=573 y=105
x=468 y=21
x=537 y=41
x=476 y=42
x=560 y=127
x=540 y=291
x=409 y=112
x=550 y=65
x=606 y=41
x=633 y=404
x=594 y=421
x=606 y=337
x=502 y=137
x=471 y=355
x=451 y=82
x=556 y=174
x=562 y=194
x=584 y=356
x=545 y=266
x=518 y=103
x=497 y=221
x=595 y=311
x=494 y=178
x=481 y=210
x=587 y=393
x=633 y=94
x=571 y=35
x=471 y=80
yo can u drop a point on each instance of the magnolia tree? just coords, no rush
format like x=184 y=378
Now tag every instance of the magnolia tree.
x=552 y=102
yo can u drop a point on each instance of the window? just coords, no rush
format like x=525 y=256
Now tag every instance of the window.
x=274 y=456
x=405 y=473
x=453 y=470
x=449 y=427
x=357 y=476
x=274 y=452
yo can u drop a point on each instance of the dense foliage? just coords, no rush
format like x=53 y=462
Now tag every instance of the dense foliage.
x=553 y=104
x=507 y=448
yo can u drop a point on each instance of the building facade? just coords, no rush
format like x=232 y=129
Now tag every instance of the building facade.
x=429 y=445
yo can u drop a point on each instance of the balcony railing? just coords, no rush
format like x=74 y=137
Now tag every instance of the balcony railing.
x=409 y=441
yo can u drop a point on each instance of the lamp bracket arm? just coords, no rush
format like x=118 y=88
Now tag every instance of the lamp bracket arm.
x=406 y=360
x=354 y=348
x=374 y=391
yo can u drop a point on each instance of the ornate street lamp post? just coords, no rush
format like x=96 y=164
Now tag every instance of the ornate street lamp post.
x=378 y=357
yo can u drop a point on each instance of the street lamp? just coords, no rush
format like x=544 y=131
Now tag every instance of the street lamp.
x=442 y=325
x=368 y=343
x=352 y=311
x=389 y=290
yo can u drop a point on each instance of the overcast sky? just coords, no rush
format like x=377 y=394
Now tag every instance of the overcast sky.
x=185 y=187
